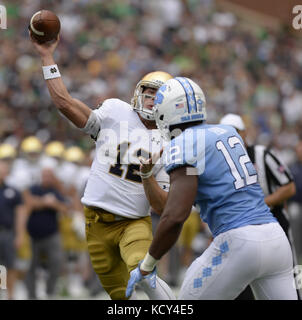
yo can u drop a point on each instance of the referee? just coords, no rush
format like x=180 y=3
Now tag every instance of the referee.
x=276 y=181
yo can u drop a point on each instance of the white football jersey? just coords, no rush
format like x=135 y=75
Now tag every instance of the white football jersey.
x=82 y=177
x=114 y=183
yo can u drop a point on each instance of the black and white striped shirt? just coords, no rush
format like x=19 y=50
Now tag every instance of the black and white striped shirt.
x=272 y=174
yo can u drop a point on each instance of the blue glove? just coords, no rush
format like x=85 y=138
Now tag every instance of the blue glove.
x=136 y=276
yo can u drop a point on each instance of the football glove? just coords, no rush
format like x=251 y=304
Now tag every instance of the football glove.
x=136 y=277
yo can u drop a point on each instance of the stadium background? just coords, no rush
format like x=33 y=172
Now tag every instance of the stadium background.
x=245 y=55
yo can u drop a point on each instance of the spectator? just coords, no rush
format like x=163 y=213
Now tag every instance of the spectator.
x=42 y=226
x=26 y=171
x=10 y=206
x=255 y=72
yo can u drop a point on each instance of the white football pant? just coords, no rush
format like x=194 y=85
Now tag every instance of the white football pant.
x=259 y=255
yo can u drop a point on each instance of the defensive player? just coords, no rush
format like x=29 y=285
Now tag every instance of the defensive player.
x=118 y=226
x=275 y=180
x=209 y=166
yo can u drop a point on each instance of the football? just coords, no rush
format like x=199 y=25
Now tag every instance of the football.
x=44 y=26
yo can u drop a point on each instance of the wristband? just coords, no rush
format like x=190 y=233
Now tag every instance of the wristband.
x=146 y=175
x=51 y=72
x=148 y=263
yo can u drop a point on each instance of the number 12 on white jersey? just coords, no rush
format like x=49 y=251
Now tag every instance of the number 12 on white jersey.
x=243 y=160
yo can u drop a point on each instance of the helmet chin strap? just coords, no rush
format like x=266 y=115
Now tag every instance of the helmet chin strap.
x=149 y=124
x=146 y=116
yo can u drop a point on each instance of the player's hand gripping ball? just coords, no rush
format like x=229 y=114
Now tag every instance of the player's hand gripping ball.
x=44 y=26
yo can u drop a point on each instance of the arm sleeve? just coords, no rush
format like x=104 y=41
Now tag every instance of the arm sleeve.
x=93 y=126
x=96 y=118
x=277 y=168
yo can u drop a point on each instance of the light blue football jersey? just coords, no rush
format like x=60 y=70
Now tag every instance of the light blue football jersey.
x=229 y=195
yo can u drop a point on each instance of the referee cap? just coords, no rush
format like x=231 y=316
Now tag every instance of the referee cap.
x=233 y=120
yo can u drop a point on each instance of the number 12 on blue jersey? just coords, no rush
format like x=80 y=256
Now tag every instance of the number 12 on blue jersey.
x=240 y=181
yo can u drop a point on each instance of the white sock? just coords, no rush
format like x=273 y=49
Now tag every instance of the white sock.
x=161 y=292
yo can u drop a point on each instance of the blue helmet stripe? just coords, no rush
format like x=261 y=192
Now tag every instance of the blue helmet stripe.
x=190 y=94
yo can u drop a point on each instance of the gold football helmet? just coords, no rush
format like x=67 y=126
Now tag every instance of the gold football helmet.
x=31 y=144
x=74 y=154
x=55 y=149
x=151 y=80
x=7 y=151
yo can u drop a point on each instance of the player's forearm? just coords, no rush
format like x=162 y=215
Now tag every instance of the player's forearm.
x=181 y=197
x=156 y=196
x=76 y=111
x=280 y=195
x=167 y=233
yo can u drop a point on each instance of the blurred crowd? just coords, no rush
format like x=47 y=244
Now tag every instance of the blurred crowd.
x=42 y=227
x=107 y=46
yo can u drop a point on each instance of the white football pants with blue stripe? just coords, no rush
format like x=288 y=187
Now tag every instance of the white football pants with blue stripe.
x=259 y=255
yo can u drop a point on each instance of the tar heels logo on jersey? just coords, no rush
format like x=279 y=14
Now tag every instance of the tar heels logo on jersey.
x=218 y=131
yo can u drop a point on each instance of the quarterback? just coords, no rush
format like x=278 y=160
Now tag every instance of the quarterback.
x=119 y=190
